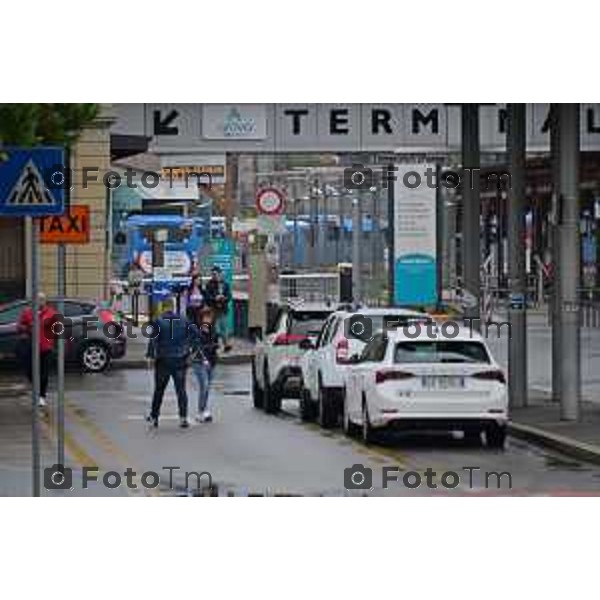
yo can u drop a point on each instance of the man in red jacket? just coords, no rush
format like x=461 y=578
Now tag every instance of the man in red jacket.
x=25 y=326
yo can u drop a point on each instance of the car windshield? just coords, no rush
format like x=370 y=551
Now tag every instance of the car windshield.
x=441 y=352
x=307 y=323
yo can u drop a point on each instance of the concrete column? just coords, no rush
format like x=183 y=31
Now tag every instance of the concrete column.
x=554 y=243
x=517 y=277
x=471 y=253
x=569 y=258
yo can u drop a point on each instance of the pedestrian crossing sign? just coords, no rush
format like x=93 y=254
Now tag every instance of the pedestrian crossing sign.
x=27 y=187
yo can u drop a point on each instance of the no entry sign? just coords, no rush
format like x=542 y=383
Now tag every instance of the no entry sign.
x=269 y=201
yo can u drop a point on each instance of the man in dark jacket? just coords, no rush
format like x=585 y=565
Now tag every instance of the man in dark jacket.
x=218 y=296
x=168 y=351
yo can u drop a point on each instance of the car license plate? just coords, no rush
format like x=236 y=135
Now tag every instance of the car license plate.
x=442 y=382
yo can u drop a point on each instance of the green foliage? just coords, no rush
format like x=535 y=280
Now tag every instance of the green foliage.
x=49 y=124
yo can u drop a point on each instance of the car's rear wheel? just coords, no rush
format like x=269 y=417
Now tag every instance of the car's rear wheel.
x=307 y=407
x=368 y=435
x=327 y=412
x=272 y=395
x=472 y=437
x=495 y=436
x=94 y=357
x=350 y=428
x=257 y=393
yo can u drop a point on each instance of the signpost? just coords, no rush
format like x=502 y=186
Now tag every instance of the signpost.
x=71 y=228
x=415 y=240
x=31 y=185
x=222 y=254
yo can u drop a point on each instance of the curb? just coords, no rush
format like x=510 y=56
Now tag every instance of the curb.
x=12 y=390
x=140 y=363
x=566 y=445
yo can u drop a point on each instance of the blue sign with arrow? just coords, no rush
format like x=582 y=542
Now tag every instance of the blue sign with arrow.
x=32 y=181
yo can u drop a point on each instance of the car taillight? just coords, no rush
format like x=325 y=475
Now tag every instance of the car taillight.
x=492 y=375
x=106 y=316
x=286 y=339
x=341 y=351
x=383 y=376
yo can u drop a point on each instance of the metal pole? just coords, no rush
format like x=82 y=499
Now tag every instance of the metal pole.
x=35 y=358
x=374 y=233
x=471 y=207
x=391 y=225
x=569 y=254
x=60 y=380
x=440 y=217
x=554 y=302
x=356 y=258
x=517 y=312
x=60 y=343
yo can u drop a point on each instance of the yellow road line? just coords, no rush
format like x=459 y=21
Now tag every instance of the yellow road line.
x=107 y=444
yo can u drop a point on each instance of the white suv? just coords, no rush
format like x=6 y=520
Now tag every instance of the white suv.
x=435 y=380
x=343 y=337
x=276 y=365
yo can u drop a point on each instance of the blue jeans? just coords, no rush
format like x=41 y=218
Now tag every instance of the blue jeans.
x=221 y=326
x=203 y=373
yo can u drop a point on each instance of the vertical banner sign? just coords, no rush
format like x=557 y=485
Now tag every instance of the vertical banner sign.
x=415 y=243
x=222 y=254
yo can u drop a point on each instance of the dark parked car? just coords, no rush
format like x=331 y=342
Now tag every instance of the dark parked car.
x=92 y=352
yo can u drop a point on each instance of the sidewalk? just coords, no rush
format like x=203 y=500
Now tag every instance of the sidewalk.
x=540 y=423
x=15 y=435
x=135 y=358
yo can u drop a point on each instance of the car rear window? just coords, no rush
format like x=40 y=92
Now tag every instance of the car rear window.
x=307 y=323
x=390 y=322
x=441 y=352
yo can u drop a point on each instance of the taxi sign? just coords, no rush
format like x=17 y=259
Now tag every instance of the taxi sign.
x=70 y=228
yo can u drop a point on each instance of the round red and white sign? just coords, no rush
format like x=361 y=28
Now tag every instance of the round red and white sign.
x=269 y=201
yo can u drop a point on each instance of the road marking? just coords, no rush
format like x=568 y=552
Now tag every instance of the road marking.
x=106 y=443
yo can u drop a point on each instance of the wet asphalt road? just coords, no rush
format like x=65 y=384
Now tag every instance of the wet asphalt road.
x=248 y=452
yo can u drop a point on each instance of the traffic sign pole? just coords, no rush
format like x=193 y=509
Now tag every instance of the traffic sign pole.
x=35 y=359
x=25 y=192
x=61 y=290
x=60 y=380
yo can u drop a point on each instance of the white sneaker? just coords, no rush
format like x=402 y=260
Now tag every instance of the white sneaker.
x=42 y=402
x=206 y=416
x=198 y=418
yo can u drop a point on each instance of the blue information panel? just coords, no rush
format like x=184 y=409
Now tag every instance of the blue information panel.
x=32 y=181
x=222 y=255
x=415 y=238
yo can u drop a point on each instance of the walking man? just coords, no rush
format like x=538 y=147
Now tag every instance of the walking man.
x=168 y=351
x=218 y=296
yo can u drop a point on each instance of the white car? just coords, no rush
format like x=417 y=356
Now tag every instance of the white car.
x=433 y=381
x=276 y=365
x=343 y=336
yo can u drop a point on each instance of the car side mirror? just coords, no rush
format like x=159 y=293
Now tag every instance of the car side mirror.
x=306 y=344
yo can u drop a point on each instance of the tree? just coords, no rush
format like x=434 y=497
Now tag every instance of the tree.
x=48 y=124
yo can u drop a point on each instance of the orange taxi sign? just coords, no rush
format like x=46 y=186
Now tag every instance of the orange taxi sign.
x=71 y=228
